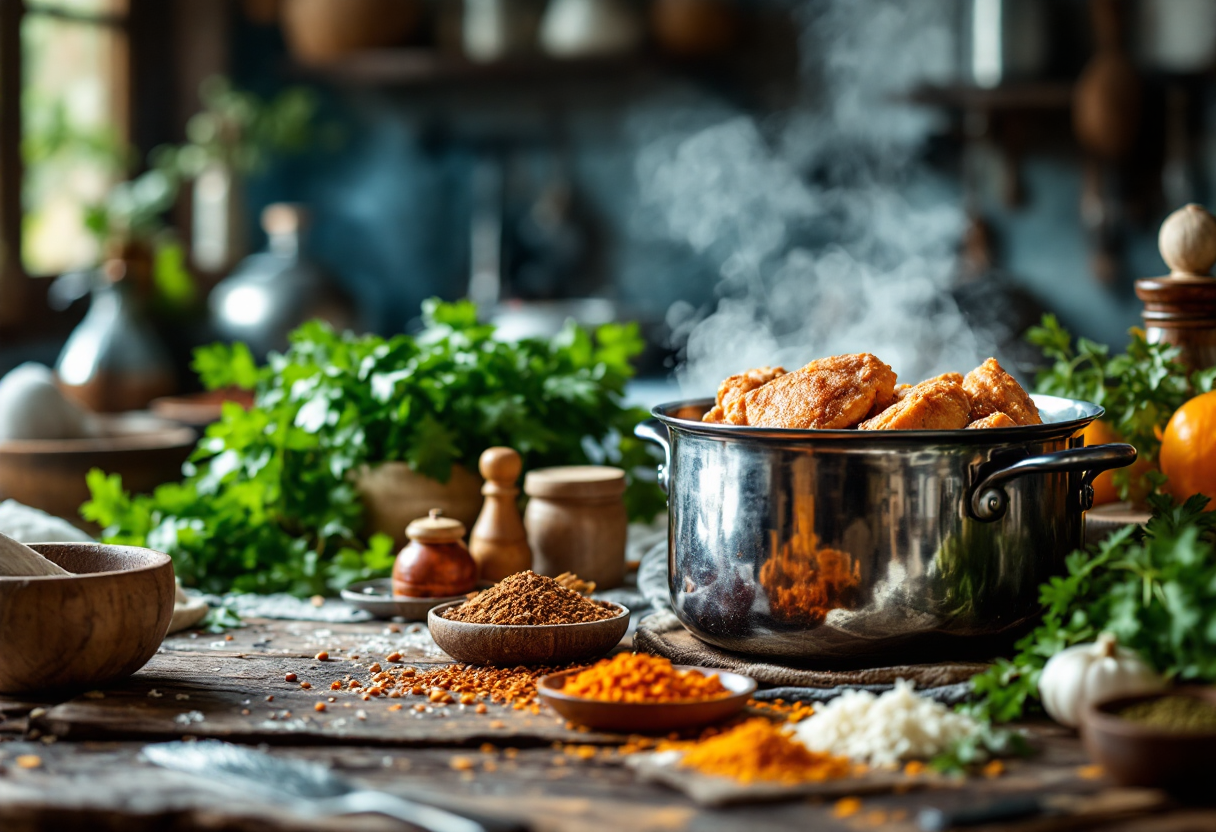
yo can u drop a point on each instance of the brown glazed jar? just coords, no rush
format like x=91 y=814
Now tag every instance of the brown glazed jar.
x=435 y=563
x=576 y=522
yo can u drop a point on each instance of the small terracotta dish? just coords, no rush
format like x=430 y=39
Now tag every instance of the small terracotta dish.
x=1139 y=755
x=509 y=644
x=86 y=629
x=376 y=596
x=648 y=717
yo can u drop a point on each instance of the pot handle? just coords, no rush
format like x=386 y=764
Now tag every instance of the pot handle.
x=652 y=430
x=989 y=500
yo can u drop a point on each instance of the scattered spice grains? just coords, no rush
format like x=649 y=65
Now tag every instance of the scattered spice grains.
x=789 y=711
x=639 y=677
x=459 y=683
x=759 y=749
x=526 y=598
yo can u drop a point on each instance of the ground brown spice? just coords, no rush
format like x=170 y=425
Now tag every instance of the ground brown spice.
x=529 y=599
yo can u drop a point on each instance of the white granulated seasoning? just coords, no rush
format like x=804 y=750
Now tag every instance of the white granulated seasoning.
x=885 y=729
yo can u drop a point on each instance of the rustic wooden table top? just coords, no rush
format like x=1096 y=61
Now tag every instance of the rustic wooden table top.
x=89 y=774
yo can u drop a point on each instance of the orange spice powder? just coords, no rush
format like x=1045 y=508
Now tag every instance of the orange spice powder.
x=760 y=749
x=639 y=677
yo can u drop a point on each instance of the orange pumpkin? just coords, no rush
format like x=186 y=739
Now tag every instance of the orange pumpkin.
x=1188 y=450
x=1105 y=490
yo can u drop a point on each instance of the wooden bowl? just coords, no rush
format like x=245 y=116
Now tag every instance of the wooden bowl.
x=86 y=629
x=1139 y=755
x=510 y=645
x=50 y=473
x=647 y=717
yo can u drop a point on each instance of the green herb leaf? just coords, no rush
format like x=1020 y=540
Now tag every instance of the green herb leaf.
x=268 y=502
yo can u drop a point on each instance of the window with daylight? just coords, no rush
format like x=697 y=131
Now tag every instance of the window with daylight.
x=64 y=133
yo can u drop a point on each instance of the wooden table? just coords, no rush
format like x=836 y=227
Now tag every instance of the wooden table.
x=91 y=777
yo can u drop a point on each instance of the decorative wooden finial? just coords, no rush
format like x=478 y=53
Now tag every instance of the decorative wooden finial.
x=1188 y=241
x=1181 y=309
x=499 y=543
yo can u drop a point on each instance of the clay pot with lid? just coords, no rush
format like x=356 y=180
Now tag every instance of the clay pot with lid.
x=576 y=522
x=435 y=563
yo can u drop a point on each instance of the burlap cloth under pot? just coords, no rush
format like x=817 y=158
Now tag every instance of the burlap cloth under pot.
x=661 y=633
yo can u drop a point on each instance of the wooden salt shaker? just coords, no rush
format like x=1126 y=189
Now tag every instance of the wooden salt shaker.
x=1181 y=309
x=577 y=522
x=499 y=543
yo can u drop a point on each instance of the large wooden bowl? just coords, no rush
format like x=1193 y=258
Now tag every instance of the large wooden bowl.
x=510 y=645
x=50 y=473
x=86 y=629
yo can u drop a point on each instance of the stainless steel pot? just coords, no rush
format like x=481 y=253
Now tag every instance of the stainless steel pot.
x=823 y=544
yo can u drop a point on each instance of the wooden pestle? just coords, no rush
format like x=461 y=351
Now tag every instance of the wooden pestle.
x=498 y=541
x=20 y=561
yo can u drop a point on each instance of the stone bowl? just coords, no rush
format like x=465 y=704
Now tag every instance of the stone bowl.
x=87 y=629
x=510 y=645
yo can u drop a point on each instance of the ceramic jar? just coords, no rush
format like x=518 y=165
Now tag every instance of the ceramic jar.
x=576 y=522
x=435 y=563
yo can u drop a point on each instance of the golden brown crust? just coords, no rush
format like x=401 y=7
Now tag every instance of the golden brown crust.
x=994 y=420
x=829 y=393
x=937 y=404
x=739 y=385
x=992 y=390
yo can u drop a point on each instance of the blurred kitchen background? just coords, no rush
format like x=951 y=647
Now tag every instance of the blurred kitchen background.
x=754 y=182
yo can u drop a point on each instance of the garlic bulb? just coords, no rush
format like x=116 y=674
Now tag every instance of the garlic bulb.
x=19 y=560
x=1087 y=673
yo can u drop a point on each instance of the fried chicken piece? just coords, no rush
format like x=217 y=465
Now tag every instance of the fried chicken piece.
x=937 y=404
x=739 y=385
x=993 y=390
x=996 y=420
x=829 y=393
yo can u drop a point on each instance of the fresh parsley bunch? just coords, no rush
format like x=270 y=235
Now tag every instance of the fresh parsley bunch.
x=1154 y=588
x=1140 y=389
x=268 y=503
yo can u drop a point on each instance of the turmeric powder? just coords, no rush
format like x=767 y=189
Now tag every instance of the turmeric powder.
x=642 y=678
x=759 y=749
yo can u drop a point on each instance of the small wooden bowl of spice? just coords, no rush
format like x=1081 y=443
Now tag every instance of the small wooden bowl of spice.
x=1161 y=740
x=527 y=619
x=638 y=693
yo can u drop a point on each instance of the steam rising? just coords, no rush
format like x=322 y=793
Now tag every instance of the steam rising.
x=828 y=234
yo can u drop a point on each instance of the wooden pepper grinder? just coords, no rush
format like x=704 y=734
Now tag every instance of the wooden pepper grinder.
x=499 y=543
x=1181 y=309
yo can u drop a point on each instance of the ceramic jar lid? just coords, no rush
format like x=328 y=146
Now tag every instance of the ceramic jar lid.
x=435 y=528
x=575 y=482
